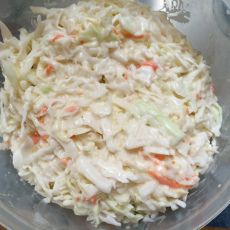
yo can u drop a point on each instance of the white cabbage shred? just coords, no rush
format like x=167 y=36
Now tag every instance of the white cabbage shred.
x=107 y=110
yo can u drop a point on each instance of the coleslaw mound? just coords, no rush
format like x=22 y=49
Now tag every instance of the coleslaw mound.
x=107 y=110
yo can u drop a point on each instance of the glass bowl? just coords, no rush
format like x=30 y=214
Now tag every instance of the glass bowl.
x=206 y=23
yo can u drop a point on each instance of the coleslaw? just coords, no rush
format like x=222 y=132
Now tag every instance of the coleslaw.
x=107 y=110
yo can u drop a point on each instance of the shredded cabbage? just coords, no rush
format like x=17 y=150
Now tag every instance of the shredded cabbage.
x=107 y=110
x=148 y=108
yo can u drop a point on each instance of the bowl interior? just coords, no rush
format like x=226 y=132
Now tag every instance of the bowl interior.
x=22 y=208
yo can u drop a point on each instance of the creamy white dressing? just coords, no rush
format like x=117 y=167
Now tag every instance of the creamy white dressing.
x=107 y=110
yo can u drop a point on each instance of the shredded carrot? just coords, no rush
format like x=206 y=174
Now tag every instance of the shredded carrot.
x=128 y=34
x=151 y=64
x=132 y=36
x=43 y=109
x=138 y=65
x=71 y=109
x=57 y=37
x=35 y=137
x=92 y=200
x=157 y=156
x=160 y=157
x=166 y=181
x=65 y=160
x=49 y=69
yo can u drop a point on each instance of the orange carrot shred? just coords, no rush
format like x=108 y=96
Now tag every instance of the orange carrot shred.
x=138 y=66
x=57 y=37
x=166 y=181
x=157 y=156
x=49 y=69
x=35 y=137
x=127 y=34
x=151 y=64
x=160 y=157
x=92 y=200
x=65 y=160
x=132 y=36
x=71 y=109
x=43 y=109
